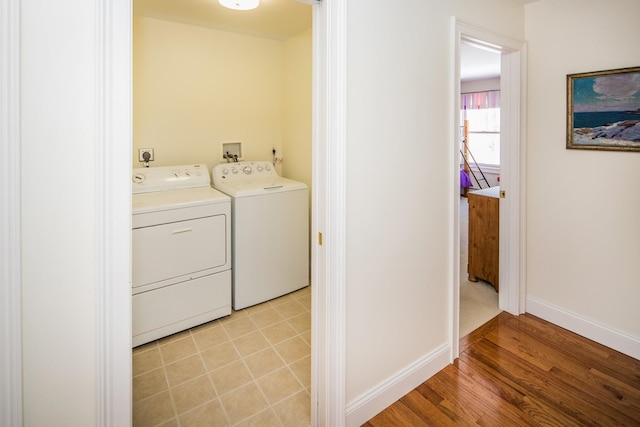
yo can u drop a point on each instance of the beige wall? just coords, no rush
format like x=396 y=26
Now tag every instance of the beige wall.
x=195 y=88
x=297 y=108
x=399 y=179
x=582 y=206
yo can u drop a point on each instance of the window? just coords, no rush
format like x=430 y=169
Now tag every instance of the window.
x=481 y=110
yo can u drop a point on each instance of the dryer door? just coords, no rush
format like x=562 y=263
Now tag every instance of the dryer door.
x=166 y=253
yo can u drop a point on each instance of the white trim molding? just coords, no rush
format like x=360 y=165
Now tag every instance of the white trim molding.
x=454 y=190
x=587 y=328
x=113 y=199
x=10 y=223
x=372 y=402
x=329 y=152
x=512 y=178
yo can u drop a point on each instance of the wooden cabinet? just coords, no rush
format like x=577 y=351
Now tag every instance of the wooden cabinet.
x=484 y=237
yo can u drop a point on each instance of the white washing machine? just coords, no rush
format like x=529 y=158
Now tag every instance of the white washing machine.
x=181 y=251
x=270 y=231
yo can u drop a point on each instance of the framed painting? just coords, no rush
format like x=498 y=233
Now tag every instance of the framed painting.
x=603 y=110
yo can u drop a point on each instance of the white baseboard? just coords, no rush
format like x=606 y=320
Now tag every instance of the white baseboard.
x=370 y=403
x=585 y=327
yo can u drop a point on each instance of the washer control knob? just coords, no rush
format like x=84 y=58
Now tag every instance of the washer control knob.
x=246 y=169
x=225 y=171
x=234 y=170
x=260 y=168
x=267 y=167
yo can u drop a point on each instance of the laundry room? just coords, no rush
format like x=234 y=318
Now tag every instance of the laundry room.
x=207 y=79
x=196 y=87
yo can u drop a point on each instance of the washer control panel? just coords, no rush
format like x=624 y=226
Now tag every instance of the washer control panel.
x=242 y=171
x=161 y=178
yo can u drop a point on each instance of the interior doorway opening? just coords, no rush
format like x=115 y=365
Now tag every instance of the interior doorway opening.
x=303 y=371
x=511 y=253
x=480 y=70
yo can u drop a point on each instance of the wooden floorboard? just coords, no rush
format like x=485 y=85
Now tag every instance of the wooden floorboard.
x=524 y=371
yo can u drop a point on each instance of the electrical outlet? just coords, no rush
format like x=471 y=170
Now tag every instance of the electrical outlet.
x=141 y=154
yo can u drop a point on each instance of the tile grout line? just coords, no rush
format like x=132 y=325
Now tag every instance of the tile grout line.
x=270 y=406
x=299 y=308
x=253 y=377
x=166 y=378
x=208 y=374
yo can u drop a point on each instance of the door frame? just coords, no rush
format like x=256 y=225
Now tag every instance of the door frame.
x=512 y=171
x=328 y=347
x=11 y=404
x=113 y=44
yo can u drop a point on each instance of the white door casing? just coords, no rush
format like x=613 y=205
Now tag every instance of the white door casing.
x=113 y=143
x=512 y=179
x=10 y=224
x=329 y=217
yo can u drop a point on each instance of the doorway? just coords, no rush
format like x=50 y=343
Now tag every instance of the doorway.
x=511 y=241
x=479 y=170
x=244 y=367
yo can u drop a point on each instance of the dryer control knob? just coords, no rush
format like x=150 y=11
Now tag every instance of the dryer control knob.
x=225 y=171
x=260 y=168
x=268 y=167
x=246 y=169
x=234 y=170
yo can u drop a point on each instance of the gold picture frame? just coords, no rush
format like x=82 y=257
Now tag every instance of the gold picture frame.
x=603 y=110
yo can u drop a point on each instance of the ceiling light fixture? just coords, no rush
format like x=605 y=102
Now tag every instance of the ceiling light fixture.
x=240 y=4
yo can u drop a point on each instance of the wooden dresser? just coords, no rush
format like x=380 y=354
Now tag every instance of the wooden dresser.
x=484 y=237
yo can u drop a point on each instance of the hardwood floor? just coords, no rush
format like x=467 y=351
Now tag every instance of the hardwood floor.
x=524 y=371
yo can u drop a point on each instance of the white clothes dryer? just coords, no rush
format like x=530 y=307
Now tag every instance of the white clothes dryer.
x=181 y=256
x=270 y=231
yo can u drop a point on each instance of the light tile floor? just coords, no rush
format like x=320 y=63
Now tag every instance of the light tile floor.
x=251 y=368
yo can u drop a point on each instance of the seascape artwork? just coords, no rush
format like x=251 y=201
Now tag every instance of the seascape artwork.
x=603 y=110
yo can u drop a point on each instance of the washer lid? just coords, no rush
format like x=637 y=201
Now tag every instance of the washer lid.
x=259 y=187
x=176 y=199
x=161 y=178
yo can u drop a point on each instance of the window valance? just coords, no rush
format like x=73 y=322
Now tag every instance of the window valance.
x=480 y=100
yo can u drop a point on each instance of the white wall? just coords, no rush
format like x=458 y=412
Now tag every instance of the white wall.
x=582 y=206
x=196 y=87
x=399 y=192
x=59 y=213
